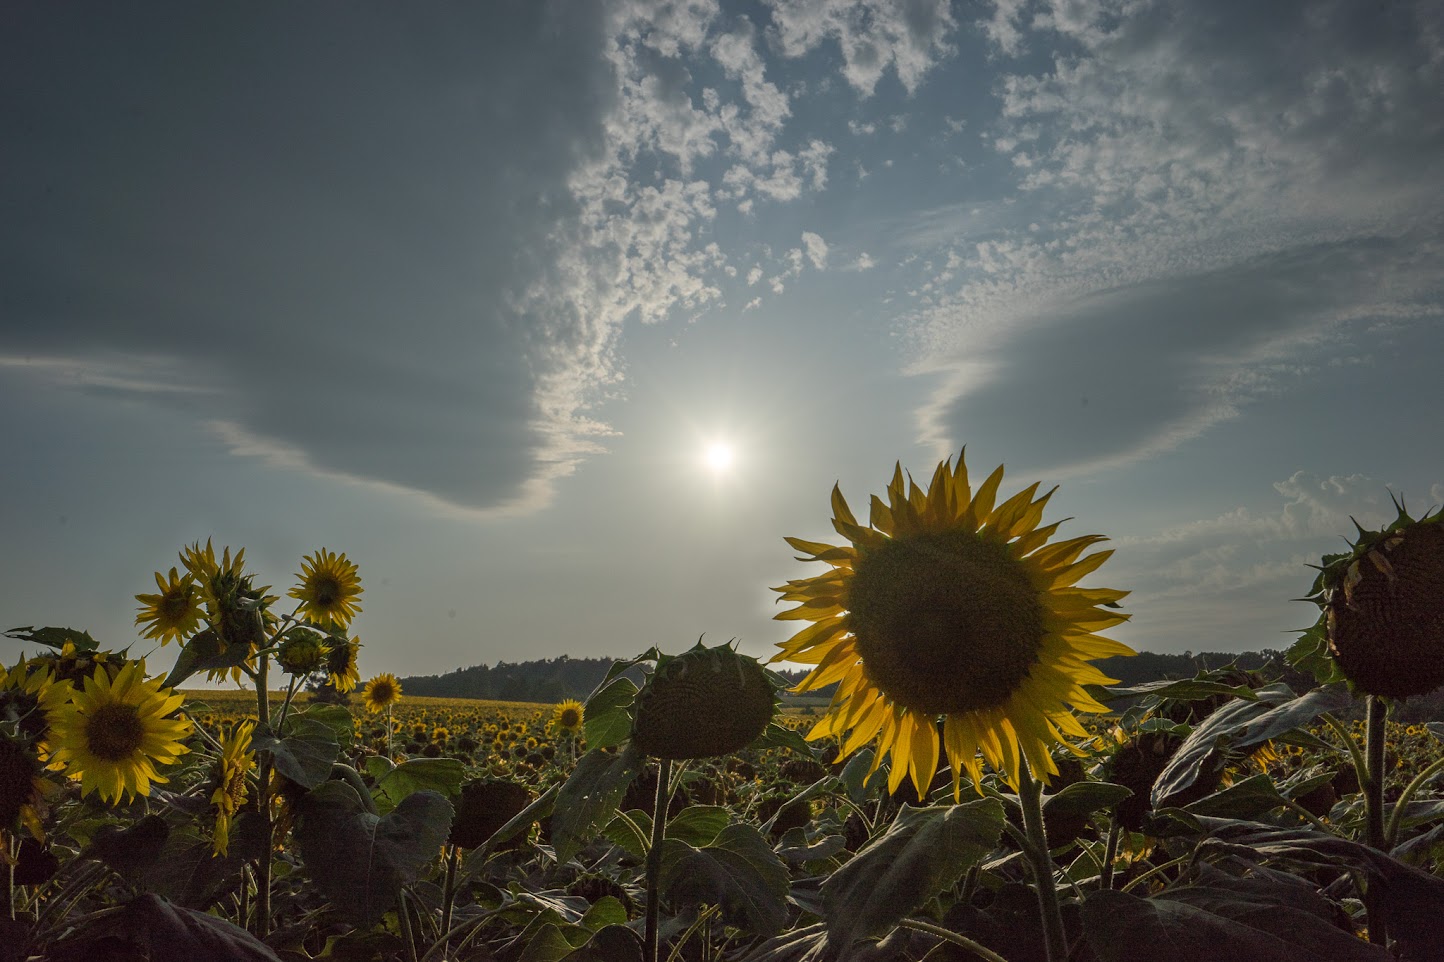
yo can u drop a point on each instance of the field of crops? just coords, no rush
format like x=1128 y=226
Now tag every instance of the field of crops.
x=954 y=804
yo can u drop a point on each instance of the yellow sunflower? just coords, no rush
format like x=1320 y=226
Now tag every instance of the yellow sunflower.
x=236 y=610
x=28 y=694
x=568 y=716
x=230 y=773
x=175 y=613
x=951 y=608
x=329 y=588
x=341 y=669
x=112 y=735
x=381 y=692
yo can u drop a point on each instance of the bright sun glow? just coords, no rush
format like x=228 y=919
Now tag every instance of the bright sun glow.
x=719 y=456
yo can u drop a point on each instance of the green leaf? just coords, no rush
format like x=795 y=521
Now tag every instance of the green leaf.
x=54 y=637
x=605 y=911
x=625 y=836
x=589 y=798
x=739 y=872
x=1125 y=928
x=612 y=943
x=607 y=717
x=175 y=862
x=1249 y=798
x=922 y=852
x=163 y=932
x=440 y=775
x=698 y=824
x=547 y=944
x=780 y=736
x=306 y=755
x=205 y=652
x=360 y=861
x=338 y=718
x=1187 y=689
x=1081 y=799
x=1241 y=724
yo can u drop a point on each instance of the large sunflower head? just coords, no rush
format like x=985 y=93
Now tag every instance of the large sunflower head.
x=381 y=691
x=702 y=703
x=174 y=613
x=1382 y=603
x=329 y=588
x=950 y=607
x=113 y=734
x=568 y=716
x=229 y=775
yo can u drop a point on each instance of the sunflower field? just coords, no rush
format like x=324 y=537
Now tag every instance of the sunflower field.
x=974 y=789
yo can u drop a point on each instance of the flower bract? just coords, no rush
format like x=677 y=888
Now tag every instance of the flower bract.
x=952 y=624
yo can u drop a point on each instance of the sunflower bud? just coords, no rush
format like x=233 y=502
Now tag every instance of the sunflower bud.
x=706 y=702
x=302 y=652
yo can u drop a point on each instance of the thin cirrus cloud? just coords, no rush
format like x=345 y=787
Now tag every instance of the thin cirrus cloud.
x=1235 y=196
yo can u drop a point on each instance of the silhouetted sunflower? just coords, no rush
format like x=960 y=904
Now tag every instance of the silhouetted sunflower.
x=950 y=605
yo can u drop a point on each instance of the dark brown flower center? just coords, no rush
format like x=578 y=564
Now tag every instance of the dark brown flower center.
x=944 y=622
x=114 y=732
x=174 y=606
x=570 y=718
x=327 y=590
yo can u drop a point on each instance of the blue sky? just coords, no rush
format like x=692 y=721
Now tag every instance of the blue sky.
x=467 y=292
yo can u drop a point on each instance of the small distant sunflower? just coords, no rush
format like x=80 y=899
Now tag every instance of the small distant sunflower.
x=949 y=606
x=341 y=669
x=230 y=773
x=568 y=716
x=380 y=692
x=329 y=588
x=112 y=735
x=175 y=613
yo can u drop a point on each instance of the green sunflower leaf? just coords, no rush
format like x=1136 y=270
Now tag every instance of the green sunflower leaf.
x=780 y=736
x=607 y=716
x=1081 y=799
x=54 y=637
x=205 y=651
x=588 y=799
x=440 y=775
x=306 y=755
x=1250 y=798
x=159 y=930
x=738 y=871
x=921 y=853
x=361 y=861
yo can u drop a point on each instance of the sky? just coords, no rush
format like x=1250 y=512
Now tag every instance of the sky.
x=471 y=292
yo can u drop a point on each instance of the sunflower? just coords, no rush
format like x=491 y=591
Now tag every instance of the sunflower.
x=22 y=786
x=329 y=588
x=951 y=607
x=568 y=716
x=175 y=613
x=341 y=670
x=237 y=611
x=383 y=691
x=113 y=734
x=230 y=773
x=28 y=694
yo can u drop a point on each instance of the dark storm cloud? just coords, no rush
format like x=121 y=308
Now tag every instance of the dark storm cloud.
x=320 y=219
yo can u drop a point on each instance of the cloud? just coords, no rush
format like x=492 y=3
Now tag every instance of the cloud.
x=871 y=35
x=816 y=249
x=864 y=262
x=1214 y=227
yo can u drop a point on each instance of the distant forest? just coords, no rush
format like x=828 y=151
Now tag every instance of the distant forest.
x=553 y=680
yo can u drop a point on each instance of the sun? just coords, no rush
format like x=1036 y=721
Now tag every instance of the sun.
x=719 y=456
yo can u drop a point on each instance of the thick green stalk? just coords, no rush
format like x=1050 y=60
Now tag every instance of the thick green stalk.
x=1374 y=736
x=654 y=855
x=1391 y=834
x=1030 y=797
x=263 y=799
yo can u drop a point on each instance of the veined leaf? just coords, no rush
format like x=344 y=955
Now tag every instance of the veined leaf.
x=589 y=797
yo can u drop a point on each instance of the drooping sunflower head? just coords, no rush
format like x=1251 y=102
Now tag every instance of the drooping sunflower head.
x=381 y=691
x=173 y=613
x=341 y=663
x=114 y=734
x=229 y=775
x=22 y=785
x=302 y=651
x=568 y=716
x=1382 y=604
x=952 y=624
x=329 y=588
x=486 y=804
x=703 y=702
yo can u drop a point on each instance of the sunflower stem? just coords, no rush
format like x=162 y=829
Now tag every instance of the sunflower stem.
x=654 y=855
x=1030 y=798
x=448 y=892
x=403 y=916
x=948 y=935
x=263 y=799
x=1391 y=834
x=1110 y=854
x=1374 y=809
